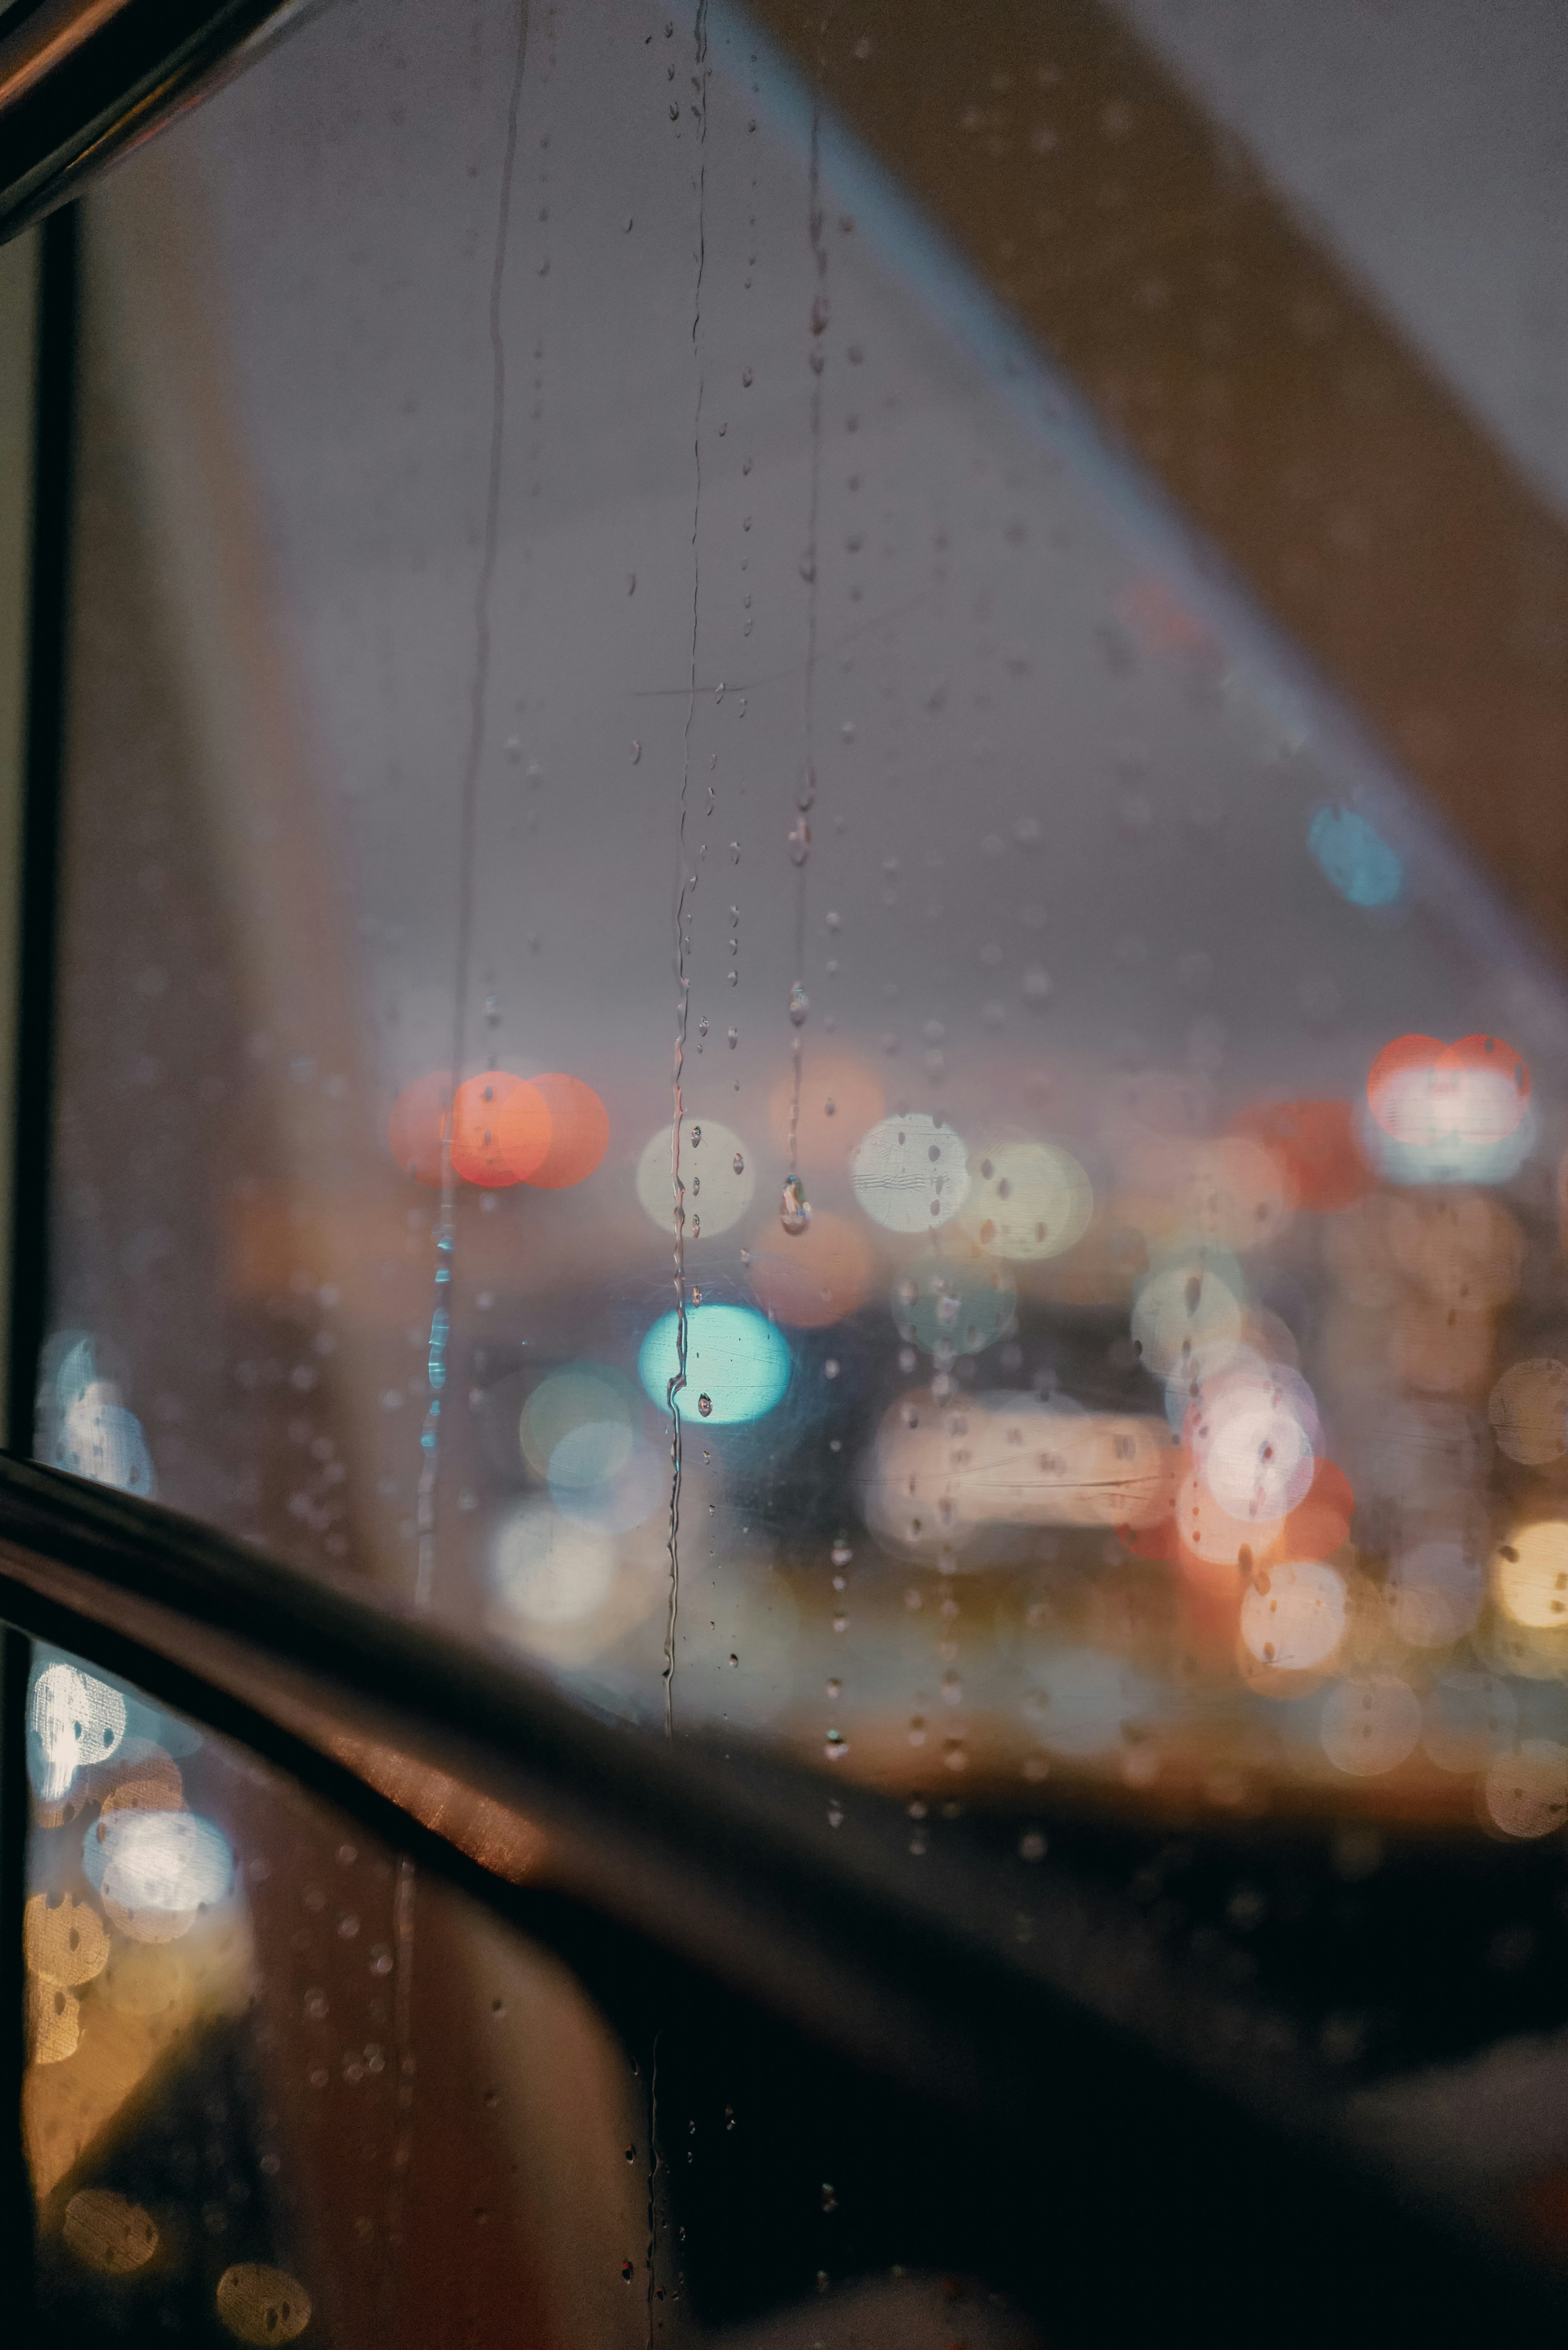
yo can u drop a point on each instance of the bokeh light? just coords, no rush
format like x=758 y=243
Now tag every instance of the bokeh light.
x=824 y=1274
x=716 y=1172
x=1527 y=1409
x=1434 y=1592
x=108 y=2233
x=500 y=1130
x=1294 y=1615
x=910 y=1174
x=73 y=1718
x=1526 y=1790
x=1529 y=1575
x=1448 y=1113
x=1184 y=1304
x=1252 y=1439
x=1233 y=1191
x=1317 y=1526
x=567 y=1398
x=939 y=1472
x=1027 y=1202
x=840 y=1096
x=549 y=1569
x=63 y=1942
x=262 y=2305
x=579 y=1132
x=605 y=1475
x=1212 y=1538
x=950 y=1306
x=737 y=1365
x=167 y=1863
x=1370 y=1725
x=1354 y=858
x=1316 y=1143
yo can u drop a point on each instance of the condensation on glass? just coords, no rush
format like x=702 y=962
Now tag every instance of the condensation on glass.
x=724 y=1015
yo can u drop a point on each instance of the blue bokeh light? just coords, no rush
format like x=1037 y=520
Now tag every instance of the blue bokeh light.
x=734 y=1357
x=1354 y=858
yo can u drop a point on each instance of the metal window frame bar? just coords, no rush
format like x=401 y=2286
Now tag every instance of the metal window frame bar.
x=82 y=80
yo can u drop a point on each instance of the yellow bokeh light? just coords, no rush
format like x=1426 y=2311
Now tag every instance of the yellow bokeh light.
x=1027 y=1202
x=1529 y=1576
x=717 y=1177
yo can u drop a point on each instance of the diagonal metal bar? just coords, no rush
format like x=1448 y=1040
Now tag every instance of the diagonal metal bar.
x=1246 y=372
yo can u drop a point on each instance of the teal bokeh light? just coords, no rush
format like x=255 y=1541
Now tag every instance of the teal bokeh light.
x=734 y=1357
x=1354 y=858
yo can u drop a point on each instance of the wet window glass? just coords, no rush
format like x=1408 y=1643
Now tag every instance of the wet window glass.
x=283 y=2081
x=230 y=1989
x=809 y=977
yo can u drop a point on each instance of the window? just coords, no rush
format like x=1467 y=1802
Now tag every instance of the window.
x=806 y=1011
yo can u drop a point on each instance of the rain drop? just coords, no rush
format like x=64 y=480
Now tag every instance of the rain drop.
x=734 y=1038
x=799 y=841
x=799 y=1006
x=794 y=1209
x=705 y=1406
x=739 y=1164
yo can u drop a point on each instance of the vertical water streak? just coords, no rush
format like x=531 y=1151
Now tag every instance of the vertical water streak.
x=806 y=796
x=446 y=1231
x=684 y=882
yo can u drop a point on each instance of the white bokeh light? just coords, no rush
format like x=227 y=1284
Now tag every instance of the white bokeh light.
x=909 y=1174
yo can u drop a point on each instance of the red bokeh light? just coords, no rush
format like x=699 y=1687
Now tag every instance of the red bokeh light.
x=500 y=1130
x=579 y=1132
x=1316 y=1143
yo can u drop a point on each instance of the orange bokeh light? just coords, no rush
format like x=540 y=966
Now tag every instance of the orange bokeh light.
x=820 y=1276
x=579 y=1132
x=1317 y=1526
x=500 y=1130
x=840 y=1098
x=416 y=1127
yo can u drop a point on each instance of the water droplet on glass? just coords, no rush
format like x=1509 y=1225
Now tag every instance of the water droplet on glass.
x=696 y=1136
x=799 y=1006
x=841 y=1552
x=799 y=841
x=794 y=1209
x=734 y=1038
x=739 y=1164
x=705 y=1406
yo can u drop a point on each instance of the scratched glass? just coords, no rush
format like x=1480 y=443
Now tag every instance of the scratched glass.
x=748 y=1002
